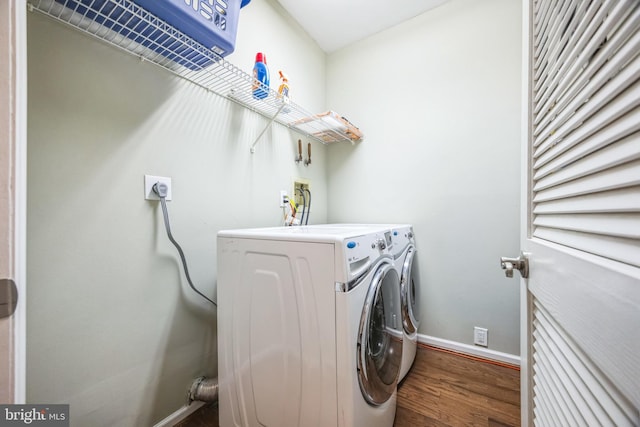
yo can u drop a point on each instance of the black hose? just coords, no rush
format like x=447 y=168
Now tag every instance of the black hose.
x=304 y=204
x=308 y=213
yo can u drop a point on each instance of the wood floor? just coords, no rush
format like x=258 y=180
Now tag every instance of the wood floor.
x=442 y=389
x=445 y=389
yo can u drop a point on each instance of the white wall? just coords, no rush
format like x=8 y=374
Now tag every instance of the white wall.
x=113 y=328
x=438 y=98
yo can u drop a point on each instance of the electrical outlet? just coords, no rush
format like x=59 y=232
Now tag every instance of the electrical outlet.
x=298 y=183
x=150 y=180
x=480 y=336
x=284 y=198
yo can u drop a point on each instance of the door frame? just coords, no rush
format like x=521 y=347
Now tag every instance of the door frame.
x=526 y=400
x=13 y=138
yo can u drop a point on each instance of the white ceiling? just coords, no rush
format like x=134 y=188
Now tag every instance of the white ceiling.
x=334 y=24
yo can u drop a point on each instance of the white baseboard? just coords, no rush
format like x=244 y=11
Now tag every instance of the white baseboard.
x=471 y=350
x=180 y=415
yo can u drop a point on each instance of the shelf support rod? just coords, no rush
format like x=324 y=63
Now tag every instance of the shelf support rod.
x=253 y=147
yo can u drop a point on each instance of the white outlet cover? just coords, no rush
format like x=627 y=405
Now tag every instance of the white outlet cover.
x=150 y=180
x=480 y=336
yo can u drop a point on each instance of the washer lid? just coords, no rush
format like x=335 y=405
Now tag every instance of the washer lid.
x=380 y=337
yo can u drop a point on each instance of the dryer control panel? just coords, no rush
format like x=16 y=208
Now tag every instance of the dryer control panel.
x=362 y=251
x=402 y=236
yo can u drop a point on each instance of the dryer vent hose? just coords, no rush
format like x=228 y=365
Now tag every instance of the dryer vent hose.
x=204 y=390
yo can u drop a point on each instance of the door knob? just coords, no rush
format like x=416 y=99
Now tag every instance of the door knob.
x=521 y=264
x=8 y=297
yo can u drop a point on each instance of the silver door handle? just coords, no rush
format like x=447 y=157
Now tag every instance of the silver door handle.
x=521 y=264
x=8 y=297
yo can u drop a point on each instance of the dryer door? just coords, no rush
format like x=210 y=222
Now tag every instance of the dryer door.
x=409 y=288
x=380 y=337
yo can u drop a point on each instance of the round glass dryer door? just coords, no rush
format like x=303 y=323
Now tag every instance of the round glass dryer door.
x=380 y=337
x=409 y=288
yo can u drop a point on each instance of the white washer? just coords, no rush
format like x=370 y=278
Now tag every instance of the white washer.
x=403 y=248
x=309 y=327
x=404 y=252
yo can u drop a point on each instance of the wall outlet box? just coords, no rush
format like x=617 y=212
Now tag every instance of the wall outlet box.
x=300 y=183
x=480 y=336
x=150 y=180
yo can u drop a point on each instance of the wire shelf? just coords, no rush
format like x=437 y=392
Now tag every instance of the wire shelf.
x=127 y=26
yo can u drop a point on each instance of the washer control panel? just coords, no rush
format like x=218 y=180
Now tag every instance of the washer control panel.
x=361 y=251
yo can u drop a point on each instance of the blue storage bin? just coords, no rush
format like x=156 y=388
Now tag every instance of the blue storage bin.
x=212 y=23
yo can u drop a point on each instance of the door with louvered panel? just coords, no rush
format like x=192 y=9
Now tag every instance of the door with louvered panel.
x=581 y=216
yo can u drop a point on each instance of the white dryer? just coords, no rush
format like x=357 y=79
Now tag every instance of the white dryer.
x=309 y=327
x=404 y=252
x=402 y=246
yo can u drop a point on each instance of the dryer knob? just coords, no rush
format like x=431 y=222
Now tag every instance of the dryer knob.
x=382 y=245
